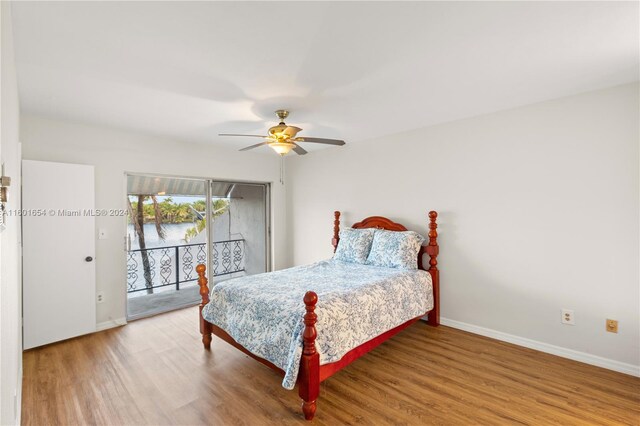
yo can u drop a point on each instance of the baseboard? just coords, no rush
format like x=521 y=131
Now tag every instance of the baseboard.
x=621 y=367
x=111 y=324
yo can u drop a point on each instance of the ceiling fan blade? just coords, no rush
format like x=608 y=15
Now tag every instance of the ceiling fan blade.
x=320 y=140
x=235 y=134
x=299 y=150
x=254 y=146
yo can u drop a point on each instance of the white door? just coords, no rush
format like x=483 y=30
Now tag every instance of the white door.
x=58 y=226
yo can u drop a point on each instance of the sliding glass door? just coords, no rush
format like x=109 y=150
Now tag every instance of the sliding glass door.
x=165 y=241
x=239 y=237
x=171 y=229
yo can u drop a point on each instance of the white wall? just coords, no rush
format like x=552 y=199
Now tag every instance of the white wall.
x=113 y=152
x=538 y=212
x=10 y=288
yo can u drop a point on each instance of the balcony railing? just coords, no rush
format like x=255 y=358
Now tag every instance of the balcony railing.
x=175 y=265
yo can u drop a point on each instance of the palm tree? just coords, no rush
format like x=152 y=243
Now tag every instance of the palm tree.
x=218 y=207
x=200 y=226
x=137 y=218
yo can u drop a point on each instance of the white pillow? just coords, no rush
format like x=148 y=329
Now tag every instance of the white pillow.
x=394 y=249
x=354 y=245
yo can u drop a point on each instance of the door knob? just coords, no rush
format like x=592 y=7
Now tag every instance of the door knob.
x=88 y=259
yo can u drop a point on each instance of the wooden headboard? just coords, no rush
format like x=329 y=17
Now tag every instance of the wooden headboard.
x=431 y=249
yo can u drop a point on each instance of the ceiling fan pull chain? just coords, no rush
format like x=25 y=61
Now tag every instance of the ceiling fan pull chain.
x=282 y=169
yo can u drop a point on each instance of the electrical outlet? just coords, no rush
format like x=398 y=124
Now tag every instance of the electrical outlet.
x=568 y=317
x=612 y=326
x=100 y=297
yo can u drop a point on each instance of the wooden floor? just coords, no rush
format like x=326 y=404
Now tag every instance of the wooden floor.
x=155 y=371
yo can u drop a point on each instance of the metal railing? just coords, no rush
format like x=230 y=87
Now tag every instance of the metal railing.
x=157 y=267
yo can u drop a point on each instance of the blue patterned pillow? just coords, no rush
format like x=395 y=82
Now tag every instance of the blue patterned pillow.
x=393 y=249
x=354 y=245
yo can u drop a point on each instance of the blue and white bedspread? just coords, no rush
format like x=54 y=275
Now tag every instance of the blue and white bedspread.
x=355 y=304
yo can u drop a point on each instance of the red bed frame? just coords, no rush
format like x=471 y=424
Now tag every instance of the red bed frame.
x=311 y=372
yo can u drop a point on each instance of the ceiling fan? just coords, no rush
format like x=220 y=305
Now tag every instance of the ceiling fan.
x=282 y=138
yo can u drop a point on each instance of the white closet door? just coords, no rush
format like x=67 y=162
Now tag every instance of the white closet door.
x=59 y=282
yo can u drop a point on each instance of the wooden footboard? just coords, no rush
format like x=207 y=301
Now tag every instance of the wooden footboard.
x=309 y=374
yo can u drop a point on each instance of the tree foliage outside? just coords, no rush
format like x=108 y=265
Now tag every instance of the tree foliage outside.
x=136 y=216
x=218 y=207
x=146 y=209
x=171 y=212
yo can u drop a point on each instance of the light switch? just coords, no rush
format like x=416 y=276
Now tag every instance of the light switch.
x=102 y=234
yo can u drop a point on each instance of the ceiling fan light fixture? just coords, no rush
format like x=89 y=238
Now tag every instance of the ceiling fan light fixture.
x=283 y=139
x=282 y=148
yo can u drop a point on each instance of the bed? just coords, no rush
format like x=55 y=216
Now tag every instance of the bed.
x=309 y=322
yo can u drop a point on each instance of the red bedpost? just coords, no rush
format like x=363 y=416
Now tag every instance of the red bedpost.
x=205 y=326
x=309 y=375
x=336 y=230
x=433 y=250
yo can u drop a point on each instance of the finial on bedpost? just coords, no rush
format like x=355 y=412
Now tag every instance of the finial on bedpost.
x=205 y=326
x=309 y=375
x=203 y=283
x=336 y=230
x=432 y=250
x=310 y=318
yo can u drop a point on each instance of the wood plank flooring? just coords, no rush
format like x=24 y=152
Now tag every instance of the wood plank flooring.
x=154 y=371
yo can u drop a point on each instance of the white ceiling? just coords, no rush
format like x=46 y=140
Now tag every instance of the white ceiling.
x=346 y=70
